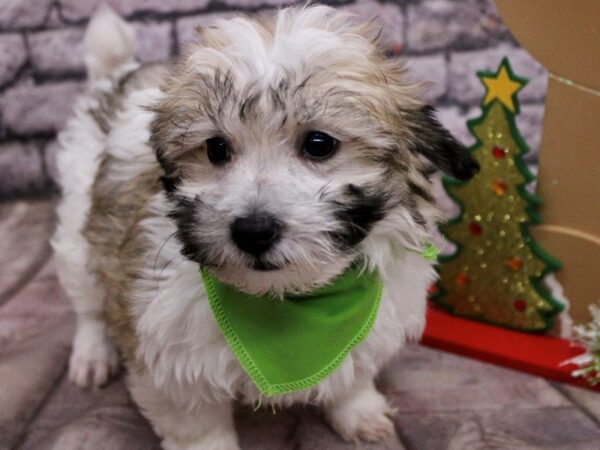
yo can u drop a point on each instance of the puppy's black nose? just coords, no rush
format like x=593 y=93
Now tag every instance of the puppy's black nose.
x=255 y=233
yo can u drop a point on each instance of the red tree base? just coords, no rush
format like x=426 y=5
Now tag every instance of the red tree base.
x=534 y=353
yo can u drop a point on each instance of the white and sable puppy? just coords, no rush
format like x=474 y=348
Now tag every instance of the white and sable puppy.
x=275 y=152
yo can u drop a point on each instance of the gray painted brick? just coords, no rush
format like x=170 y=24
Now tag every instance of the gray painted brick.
x=160 y=6
x=438 y=24
x=21 y=169
x=153 y=41
x=466 y=88
x=82 y=9
x=455 y=120
x=79 y=9
x=23 y=13
x=435 y=27
x=43 y=108
x=54 y=19
x=529 y=122
x=254 y=3
x=57 y=51
x=388 y=15
x=12 y=55
x=186 y=27
x=50 y=152
x=430 y=69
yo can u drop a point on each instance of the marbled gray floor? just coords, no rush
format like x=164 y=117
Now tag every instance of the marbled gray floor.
x=443 y=401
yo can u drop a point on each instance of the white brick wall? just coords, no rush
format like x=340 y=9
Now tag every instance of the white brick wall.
x=41 y=69
x=389 y=16
x=22 y=169
x=56 y=51
x=435 y=25
x=153 y=40
x=186 y=26
x=28 y=109
x=433 y=70
x=16 y=14
x=13 y=55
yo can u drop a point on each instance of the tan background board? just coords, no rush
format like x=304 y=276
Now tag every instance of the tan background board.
x=565 y=37
x=569 y=167
x=569 y=185
x=579 y=278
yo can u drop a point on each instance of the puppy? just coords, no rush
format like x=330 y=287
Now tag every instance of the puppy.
x=296 y=124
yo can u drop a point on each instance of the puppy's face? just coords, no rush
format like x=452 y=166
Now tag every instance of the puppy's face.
x=286 y=143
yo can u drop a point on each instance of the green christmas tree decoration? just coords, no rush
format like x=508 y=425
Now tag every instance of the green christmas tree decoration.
x=495 y=275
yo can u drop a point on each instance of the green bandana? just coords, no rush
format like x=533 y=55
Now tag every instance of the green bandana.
x=292 y=344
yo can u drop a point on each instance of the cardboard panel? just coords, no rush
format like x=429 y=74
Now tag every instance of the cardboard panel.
x=569 y=185
x=569 y=170
x=563 y=35
x=579 y=276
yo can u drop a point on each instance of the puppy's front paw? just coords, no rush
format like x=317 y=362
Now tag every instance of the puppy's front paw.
x=93 y=360
x=364 y=416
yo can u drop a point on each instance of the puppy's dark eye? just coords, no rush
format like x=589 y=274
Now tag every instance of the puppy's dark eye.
x=319 y=146
x=218 y=150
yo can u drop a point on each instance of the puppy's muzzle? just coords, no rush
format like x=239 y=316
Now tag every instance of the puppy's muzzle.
x=256 y=233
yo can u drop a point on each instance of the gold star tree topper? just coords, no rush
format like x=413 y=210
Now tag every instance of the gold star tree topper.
x=502 y=86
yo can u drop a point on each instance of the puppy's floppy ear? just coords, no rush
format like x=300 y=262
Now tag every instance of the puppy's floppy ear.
x=435 y=143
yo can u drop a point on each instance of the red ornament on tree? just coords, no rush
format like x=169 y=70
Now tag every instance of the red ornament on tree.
x=462 y=279
x=475 y=229
x=514 y=263
x=498 y=152
x=520 y=305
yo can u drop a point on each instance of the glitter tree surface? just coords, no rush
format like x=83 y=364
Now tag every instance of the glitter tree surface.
x=496 y=272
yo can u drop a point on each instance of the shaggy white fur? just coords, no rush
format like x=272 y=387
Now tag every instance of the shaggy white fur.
x=188 y=376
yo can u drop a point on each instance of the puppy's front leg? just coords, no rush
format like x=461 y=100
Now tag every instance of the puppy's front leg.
x=192 y=424
x=361 y=413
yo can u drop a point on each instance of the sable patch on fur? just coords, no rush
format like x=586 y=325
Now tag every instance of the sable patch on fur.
x=435 y=143
x=357 y=216
x=411 y=205
x=247 y=107
x=185 y=215
x=419 y=191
